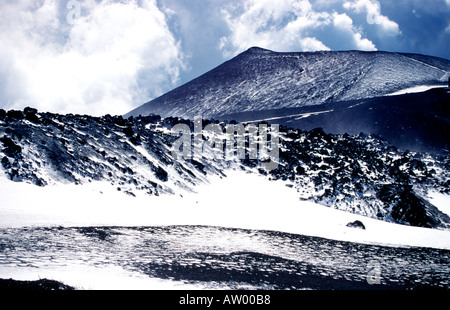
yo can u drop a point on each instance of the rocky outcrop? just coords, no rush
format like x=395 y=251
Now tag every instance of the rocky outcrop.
x=361 y=174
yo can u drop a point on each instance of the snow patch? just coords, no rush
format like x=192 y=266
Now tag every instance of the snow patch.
x=415 y=89
x=83 y=277
x=440 y=201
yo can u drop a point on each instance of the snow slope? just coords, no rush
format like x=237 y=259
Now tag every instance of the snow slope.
x=415 y=89
x=255 y=203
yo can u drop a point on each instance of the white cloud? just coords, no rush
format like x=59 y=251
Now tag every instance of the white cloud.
x=282 y=25
x=115 y=56
x=312 y=44
x=288 y=25
x=345 y=24
x=373 y=10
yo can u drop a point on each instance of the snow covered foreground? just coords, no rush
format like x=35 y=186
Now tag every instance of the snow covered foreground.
x=241 y=200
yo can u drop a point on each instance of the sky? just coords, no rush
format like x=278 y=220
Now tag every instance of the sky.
x=101 y=57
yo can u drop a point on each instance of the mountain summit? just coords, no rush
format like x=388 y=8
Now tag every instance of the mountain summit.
x=259 y=80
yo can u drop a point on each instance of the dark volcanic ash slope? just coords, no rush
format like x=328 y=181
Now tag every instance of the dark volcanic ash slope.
x=360 y=174
x=259 y=79
x=416 y=122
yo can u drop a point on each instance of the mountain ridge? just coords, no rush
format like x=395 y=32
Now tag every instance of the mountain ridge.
x=259 y=79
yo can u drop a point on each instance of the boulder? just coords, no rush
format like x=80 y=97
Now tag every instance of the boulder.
x=356 y=224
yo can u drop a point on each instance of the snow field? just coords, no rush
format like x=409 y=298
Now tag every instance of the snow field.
x=241 y=200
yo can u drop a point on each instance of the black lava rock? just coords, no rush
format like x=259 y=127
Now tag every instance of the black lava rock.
x=40 y=285
x=356 y=224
